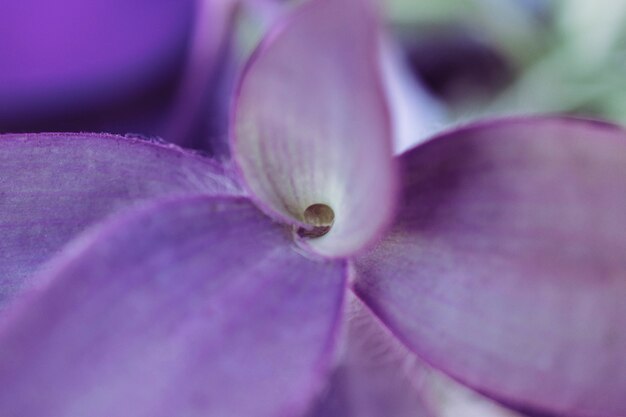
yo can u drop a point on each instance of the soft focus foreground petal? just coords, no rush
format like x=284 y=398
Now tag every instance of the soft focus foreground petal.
x=54 y=185
x=193 y=307
x=311 y=124
x=507 y=265
x=415 y=113
x=207 y=80
x=61 y=58
x=446 y=398
x=375 y=376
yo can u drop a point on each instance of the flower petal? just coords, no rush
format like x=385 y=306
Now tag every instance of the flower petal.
x=507 y=265
x=63 y=58
x=198 y=116
x=375 y=376
x=192 y=307
x=311 y=124
x=415 y=113
x=54 y=185
x=447 y=398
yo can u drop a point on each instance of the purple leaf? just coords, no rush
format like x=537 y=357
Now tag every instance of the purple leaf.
x=311 y=124
x=506 y=265
x=52 y=186
x=190 y=307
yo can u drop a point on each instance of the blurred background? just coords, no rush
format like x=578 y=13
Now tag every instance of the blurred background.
x=145 y=67
x=484 y=57
x=167 y=67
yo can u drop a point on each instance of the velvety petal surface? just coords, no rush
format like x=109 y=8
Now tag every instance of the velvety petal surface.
x=192 y=307
x=311 y=124
x=52 y=186
x=374 y=376
x=507 y=265
x=70 y=56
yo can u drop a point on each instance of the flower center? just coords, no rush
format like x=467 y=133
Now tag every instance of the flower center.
x=320 y=217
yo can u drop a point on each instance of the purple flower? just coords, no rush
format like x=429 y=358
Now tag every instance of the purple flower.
x=495 y=252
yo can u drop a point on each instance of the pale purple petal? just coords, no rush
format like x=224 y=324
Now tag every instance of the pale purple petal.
x=191 y=307
x=63 y=58
x=311 y=124
x=447 y=398
x=375 y=376
x=54 y=185
x=205 y=71
x=507 y=265
x=416 y=115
